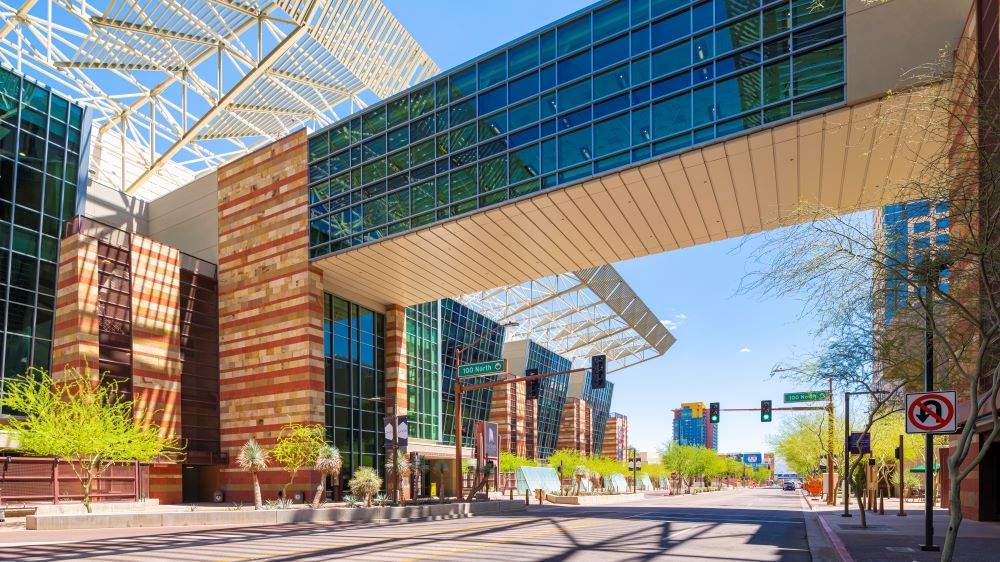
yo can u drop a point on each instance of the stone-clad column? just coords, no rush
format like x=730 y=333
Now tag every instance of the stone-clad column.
x=395 y=358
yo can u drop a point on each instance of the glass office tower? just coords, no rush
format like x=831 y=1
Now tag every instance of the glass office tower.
x=460 y=326
x=43 y=145
x=600 y=402
x=551 y=396
x=609 y=87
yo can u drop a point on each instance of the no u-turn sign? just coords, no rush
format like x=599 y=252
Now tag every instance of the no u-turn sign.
x=931 y=412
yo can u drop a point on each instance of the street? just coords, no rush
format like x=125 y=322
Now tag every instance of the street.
x=756 y=524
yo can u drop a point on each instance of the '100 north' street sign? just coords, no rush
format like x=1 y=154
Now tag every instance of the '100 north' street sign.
x=810 y=396
x=481 y=369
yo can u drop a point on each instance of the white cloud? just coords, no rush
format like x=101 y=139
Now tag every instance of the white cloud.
x=670 y=324
x=681 y=316
x=746 y=350
x=674 y=322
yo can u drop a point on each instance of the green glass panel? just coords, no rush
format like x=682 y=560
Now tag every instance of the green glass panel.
x=399 y=111
x=805 y=11
x=574 y=35
x=819 y=69
x=670 y=60
x=399 y=205
x=493 y=174
x=738 y=35
x=463 y=83
x=423 y=197
x=422 y=101
x=525 y=188
x=463 y=184
x=777 y=81
x=374 y=213
x=373 y=122
x=373 y=171
x=777 y=20
x=611 y=20
x=819 y=100
x=737 y=94
x=463 y=137
x=422 y=152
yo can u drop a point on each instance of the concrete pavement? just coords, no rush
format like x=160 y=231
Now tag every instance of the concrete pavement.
x=762 y=524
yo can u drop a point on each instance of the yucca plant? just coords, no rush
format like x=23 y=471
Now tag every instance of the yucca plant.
x=350 y=500
x=402 y=465
x=579 y=474
x=253 y=458
x=328 y=463
x=365 y=484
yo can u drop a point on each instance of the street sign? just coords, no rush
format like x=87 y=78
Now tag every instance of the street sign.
x=931 y=412
x=483 y=369
x=808 y=396
x=402 y=428
x=859 y=443
x=751 y=458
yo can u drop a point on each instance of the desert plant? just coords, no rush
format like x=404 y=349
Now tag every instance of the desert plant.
x=365 y=483
x=297 y=446
x=280 y=503
x=350 y=500
x=253 y=458
x=237 y=506
x=579 y=474
x=402 y=465
x=84 y=419
x=381 y=500
x=328 y=463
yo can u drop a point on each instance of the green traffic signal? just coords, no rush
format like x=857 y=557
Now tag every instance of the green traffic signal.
x=765 y=410
x=713 y=412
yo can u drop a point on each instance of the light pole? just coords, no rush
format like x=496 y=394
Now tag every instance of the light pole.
x=931 y=280
x=391 y=407
x=458 y=405
x=847 y=449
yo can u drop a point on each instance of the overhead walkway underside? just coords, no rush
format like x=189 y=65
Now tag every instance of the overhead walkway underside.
x=847 y=159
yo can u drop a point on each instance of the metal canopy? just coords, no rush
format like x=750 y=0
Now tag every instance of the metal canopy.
x=577 y=315
x=181 y=86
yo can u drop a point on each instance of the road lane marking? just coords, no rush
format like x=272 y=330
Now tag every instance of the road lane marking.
x=496 y=542
x=358 y=543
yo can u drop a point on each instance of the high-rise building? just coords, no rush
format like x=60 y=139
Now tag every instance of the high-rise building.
x=616 y=441
x=692 y=426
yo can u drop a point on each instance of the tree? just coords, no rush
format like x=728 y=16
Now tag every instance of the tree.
x=297 y=446
x=861 y=278
x=253 y=458
x=365 y=483
x=328 y=463
x=510 y=462
x=85 y=421
x=802 y=442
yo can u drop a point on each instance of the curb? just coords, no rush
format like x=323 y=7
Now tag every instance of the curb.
x=838 y=545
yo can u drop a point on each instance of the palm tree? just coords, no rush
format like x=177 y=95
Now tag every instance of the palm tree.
x=365 y=483
x=253 y=458
x=402 y=464
x=328 y=463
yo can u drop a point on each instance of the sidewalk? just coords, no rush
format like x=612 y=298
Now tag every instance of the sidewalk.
x=890 y=537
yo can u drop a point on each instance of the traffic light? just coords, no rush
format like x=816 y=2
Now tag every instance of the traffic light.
x=713 y=412
x=598 y=371
x=765 y=410
x=534 y=386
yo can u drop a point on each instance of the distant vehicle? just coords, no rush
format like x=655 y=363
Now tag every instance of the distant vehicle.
x=788 y=485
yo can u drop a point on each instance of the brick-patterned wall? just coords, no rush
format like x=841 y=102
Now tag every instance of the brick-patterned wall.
x=395 y=358
x=270 y=307
x=576 y=426
x=75 y=338
x=615 y=437
x=507 y=410
x=156 y=367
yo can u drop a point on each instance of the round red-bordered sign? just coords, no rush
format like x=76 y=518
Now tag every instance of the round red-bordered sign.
x=941 y=421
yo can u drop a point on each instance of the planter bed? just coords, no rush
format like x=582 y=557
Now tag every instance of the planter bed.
x=268 y=517
x=594 y=500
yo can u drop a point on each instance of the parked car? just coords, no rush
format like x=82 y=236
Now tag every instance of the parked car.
x=788 y=485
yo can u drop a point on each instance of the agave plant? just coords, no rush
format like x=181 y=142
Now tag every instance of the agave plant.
x=365 y=484
x=350 y=500
x=328 y=463
x=595 y=480
x=381 y=500
x=253 y=458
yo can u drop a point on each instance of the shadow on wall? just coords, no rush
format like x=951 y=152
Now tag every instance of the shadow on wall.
x=116 y=208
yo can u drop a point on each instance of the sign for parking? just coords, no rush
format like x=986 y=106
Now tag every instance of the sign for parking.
x=931 y=412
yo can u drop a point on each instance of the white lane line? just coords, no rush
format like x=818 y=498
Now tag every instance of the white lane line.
x=676 y=534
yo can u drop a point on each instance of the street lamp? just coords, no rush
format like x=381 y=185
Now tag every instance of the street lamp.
x=458 y=405
x=391 y=406
x=847 y=449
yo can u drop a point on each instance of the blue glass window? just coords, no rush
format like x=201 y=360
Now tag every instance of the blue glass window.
x=611 y=53
x=611 y=20
x=574 y=35
x=574 y=67
x=670 y=29
x=523 y=57
x=574 y=147
x=492 y=71
x=671 y=116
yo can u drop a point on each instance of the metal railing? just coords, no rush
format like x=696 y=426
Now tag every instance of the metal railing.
x=38 y=480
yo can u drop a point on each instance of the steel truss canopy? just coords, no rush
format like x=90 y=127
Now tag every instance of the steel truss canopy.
x=181 y=86
x=579 y=314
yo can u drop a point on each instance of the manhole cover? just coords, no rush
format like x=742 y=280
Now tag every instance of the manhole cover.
x=900 y=549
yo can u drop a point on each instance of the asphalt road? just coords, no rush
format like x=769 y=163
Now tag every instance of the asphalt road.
x=762 y=524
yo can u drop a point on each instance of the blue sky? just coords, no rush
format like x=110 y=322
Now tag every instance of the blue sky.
x=727 y=343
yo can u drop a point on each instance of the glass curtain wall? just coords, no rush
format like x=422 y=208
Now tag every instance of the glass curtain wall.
x=615 y=85
x=354 y=345
x=42 y=137
x=600 y=402
x=423 y=371
x=460 y=326
x=551 y=396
